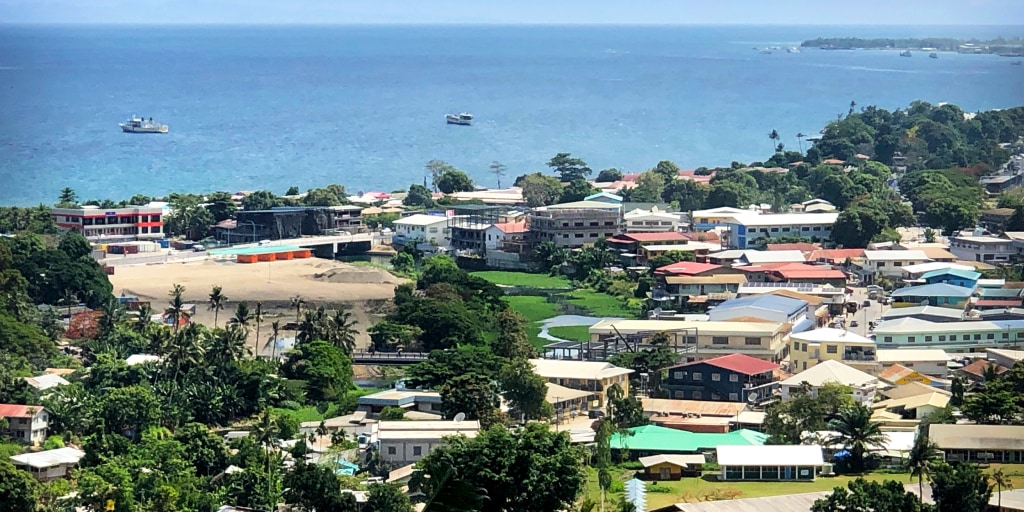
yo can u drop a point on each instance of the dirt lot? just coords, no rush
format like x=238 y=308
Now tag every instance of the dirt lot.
x=364 y=290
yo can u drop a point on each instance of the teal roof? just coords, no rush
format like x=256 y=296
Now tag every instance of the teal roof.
x=965 y=274
x=655 y=438
x=934 y=290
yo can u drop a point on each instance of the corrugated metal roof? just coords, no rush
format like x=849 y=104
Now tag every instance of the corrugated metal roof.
x=655 y=438
x=934 y=290
x=976 y=437
x=830 y=371
x=770 y=302
x=770 y=455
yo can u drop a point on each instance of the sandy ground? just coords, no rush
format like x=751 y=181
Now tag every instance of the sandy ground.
x=364 y=290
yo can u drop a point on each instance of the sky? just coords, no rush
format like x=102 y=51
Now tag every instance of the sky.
x=671 y=12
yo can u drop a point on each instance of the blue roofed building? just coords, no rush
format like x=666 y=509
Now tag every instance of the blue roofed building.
x=771 y=307
x=955 y=277
x=941 y=294
x=604 y=197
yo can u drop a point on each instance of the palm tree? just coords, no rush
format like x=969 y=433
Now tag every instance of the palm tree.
x=230 y=343
x=176 y=307
x=919 y=460
x=275 y=329
x=342 y=330
x=498 y=169
x=257 y=316
x=857 y=433
x=217 y=302
x=145 y=312
x=1002 y=481
x=800 y=140
x=314 y=326
x=321 y=431
x=774 y=136
x=297 y=302
x=187 y=349
x=242 y=316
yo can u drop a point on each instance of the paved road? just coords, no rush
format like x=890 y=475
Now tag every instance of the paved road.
x=865 y=315
x=145 y=258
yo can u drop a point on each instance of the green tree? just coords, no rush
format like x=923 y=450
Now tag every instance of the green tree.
x=18 y=490
x=498 y=169
x=67 y=199
x=292 y=191
x=524 y=390
x=959 y=488
x=203 y=449
x=920 y=458
x=390 y=413
x=609 y=176
x=576 y=190
x=419 y=196
x=314 y=487
x=388 y=336
x=568 y=168
x=1001 y=481
x=624 y=411
x=324 y=367
x=128 y=410
x=387 y=498
x=667 y=170
x=649 y=187
x=475 y=395
x=444 y=365
x=952 y=214
x=261 y=200
x=512 y=341
x=242 y=316
x=454 y=180
x=858 y=226
x=539 y=189
x=216 y=302
x=220 y=206
x=866 y=496
x=532 y=469
x=856 y=432
x=437 y=169
x=805 y=412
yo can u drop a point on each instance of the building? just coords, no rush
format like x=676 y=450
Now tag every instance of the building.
x=732 y=378
x=889 y=263
x=913 y=273
x=862 y=385
x=927 y=361
x=576 y=224
x=749 y=229
x=987 y=249
x=929 y=313
x=809 y=348
x=835 y=256
x=961 y=278
x=1004 y=357
x=654 y=220
x=755 y=257
x=699 y=415
x=604 y=197
x=26 y=424
x=700 y=250
x=970 y=335
x=46 y=381
x=672 y=466
x=715 y=217
x=654 y=440
x=678 y=290
x=772 y=308
x=688 y=268
x=468 y=225
x=769 y=462
x=763 y=340
x=942 y=295
x=405 y=442
x=406 y=399
x=289 y=222
x=502 y=236
x=592 y=376
x=979 y=443
x=432 y=229
x=112 y=224
x=898 y=375
x=915 y=407
x=569 y=403
x=49 y=465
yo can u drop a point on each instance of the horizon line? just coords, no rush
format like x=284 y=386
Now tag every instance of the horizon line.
x=490 y=23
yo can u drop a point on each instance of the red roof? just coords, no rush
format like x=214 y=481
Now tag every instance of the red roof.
x=18 y=411
x=999 y=302
x=833 y=161
x=687 y=268
x=667 y=236
x=835 y=254
x=702 y=236
x=810 y=273
x=742 y=363
x=978 y=367
x=800 y=246
x=512 y=227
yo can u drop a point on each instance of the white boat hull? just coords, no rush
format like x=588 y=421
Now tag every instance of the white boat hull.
x=143 y=129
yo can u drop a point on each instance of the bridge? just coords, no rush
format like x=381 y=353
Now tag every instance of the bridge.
x=324 y=246
x=388 y=358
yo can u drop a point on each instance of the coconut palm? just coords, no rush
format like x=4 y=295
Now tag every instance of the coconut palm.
x=1002 y=481
x=186 y=350
x=314 y=326
x=176 y=308
x=775 y=137
x=856 y=432
x=217 y=302
x=242 y=316
x=800 y=140
x=257 y=316
x=229 y=344
x=275 y=329
x=919 y=460
x=342 y=330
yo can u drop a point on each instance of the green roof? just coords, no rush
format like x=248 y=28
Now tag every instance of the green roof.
x=661 y=439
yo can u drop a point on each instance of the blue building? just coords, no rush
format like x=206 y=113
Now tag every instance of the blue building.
x=731 y=378
x=962 y=278
x=943 y=295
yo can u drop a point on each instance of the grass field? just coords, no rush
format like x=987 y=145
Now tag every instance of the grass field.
x=535 y=309
x=571 y=332
x=304 y=414
x=697 y=489
x=601 y=304
x=523 y=279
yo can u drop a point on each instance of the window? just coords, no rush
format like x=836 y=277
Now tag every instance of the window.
x=990 y=336
x=817 y=228
x=734 y=378
x=680 y=395
x=697 y=395
x=719 y=340
x=752 y=341
x=566 y=235
x=805 y=228
x=977 y=337
x=952 y=337
x=697 y=376
x=1006 y=335
x=679 y=375
x=775 y=230
x=911 y=339
x=579 y=235
x=927 y=338
x=392 y=450
x=785 y=230
x=831 y=349
x=716 y=377
x=942 y=337
x=881 y=264
x=734 y=397
x=417 y=451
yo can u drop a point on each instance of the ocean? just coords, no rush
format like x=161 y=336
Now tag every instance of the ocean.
x=363 y=106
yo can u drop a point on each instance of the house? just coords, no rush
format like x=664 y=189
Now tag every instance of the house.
x=862 y=385
x=753 y=257
x=898 y=374
x=978 y=247
x=405 y=442
x=809 y=348
x=943 y=295
x=914 y=407
x=406 y=399
x=714 y=217
x=683 y=289
x=816 y=206
x=997 y=299
x=604 y=197
x=653 y=220
x=804 y=273
x=910 y=389
x=432 y=229
x=773 y=308
x=593 y=376
x=576 y=224
x=977 y=371
x=926 y=361
x=46 y=381
x=889 y=263
x=995 y=219
x=750 y=228
x=672 y=466
x=49 y=465
x=655 y=440
x=979 y=443
x=769 y=462
x=913 y=273
x=1004 y=357
x=733 y=378
x=763 y=340
x=971 y=335
x=632 y=242
x=688 y=268
x=500 y=236
x=512 y=196
x=26 y=424
x=728 y=257
x=961 y=278
x=698 y=415
x=700 y=250
x=928 y=313
x=834 y=256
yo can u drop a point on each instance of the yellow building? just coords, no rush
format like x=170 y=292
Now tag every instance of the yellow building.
x=808 y=348
x=593 y=376
x=745 y=335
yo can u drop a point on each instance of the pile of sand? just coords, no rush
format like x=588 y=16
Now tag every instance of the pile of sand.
x=356 y=275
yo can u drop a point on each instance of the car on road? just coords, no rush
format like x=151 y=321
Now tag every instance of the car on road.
x=198 y=248
x=595 y=414
x=865 y=304
x=854 y=323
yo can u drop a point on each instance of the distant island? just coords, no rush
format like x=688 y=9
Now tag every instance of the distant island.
x=1013 y=47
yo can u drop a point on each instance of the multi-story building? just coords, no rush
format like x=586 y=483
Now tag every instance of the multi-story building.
x=966 y=335
x=862 y=385
x=773 y=308
x=941 y=294
x=889 y=264
x=112 y=224
x=576 y=224
x=432 y=229
x=748 y=229
x=986 y=249
x=25 y=424
x=927 y=361
x=715 y=217
x=405 y=442
x=731 y=378
x=290 y=222
x=809 y=348
x=468 y=225
x=654 y=220
x=594 y=376
x=760 y=339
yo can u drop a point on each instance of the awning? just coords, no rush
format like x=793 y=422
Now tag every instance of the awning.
x=558 y=394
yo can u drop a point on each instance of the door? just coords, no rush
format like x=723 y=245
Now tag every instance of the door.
x=787 y=473
x=665 y=474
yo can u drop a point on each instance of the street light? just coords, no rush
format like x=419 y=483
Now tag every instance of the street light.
x=253 y=230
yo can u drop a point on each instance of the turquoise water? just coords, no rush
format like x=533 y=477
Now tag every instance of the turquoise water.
x=257 y=250
x=264 y=107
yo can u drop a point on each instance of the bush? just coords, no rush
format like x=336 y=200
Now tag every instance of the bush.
x=632 y=464
x=616 y=486
x=53 y=442
x=392 y=414
x=654 y=487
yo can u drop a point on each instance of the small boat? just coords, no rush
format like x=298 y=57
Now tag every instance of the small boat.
x=463 y=119
x=933 y=55
x=766 y=51
x=1015 y=63
x=793 y=49
x=906 y=53
x=142 y=125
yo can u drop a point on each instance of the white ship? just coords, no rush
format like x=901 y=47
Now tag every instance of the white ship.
x=142 y=125
x=463 y=119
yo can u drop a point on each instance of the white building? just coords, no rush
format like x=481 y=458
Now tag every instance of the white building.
x=496 y=236
x=927 y=361
x=652 y=221
x=112 y=224
x=715 y=217
x=746 y=230
x=46 y=381
x=987 y=249
x=405 y=442
x=25 y=424
x=50 y=464
x=889 y=263
x=423 y=228
x=862 y=384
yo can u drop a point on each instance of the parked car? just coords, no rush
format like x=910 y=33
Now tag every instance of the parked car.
x=198 y=248
x=595 y=414
x=854 y=323
x=866 y=304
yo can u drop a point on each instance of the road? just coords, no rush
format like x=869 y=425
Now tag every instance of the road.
x=864 y=315
x=146 y=258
